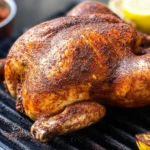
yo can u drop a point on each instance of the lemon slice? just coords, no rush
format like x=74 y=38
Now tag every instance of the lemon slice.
x=138 y=11
x=116 y=7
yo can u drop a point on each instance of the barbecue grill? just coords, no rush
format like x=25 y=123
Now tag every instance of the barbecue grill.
x=115 y=132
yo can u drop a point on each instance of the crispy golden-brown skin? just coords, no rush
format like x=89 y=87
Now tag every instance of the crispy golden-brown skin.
x=59 y=65
x=86 y=8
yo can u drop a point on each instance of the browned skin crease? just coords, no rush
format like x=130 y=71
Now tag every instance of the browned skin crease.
x=145 y=39
x=19 y=104
x=61 y=71
x=2 y=63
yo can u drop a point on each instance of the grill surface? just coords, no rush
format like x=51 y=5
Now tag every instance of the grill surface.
x=115 y=132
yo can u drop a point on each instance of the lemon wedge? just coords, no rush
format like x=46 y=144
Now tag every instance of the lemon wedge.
x=116 y=7
x=135 y=12
x=138 y=11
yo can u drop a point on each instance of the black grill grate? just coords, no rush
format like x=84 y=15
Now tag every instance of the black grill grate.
x=115 y=132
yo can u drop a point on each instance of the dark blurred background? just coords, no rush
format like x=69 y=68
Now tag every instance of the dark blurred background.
x=32 y=12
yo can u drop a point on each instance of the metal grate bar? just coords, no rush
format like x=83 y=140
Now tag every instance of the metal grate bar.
x=139 y=116
x=7 y=99
x=104 y=139
x=83 y=142
x=119 y=135
x=4 y=142
x=129 y=127
x=61 y=143
x=17 y=135
x=14 y=116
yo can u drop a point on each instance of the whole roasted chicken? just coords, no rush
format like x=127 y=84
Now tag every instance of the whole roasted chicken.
x=62 y=70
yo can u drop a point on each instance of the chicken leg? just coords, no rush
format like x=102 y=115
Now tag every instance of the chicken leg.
x=74 y=117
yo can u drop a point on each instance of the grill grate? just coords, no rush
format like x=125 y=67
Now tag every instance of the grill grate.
x=115 y=132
